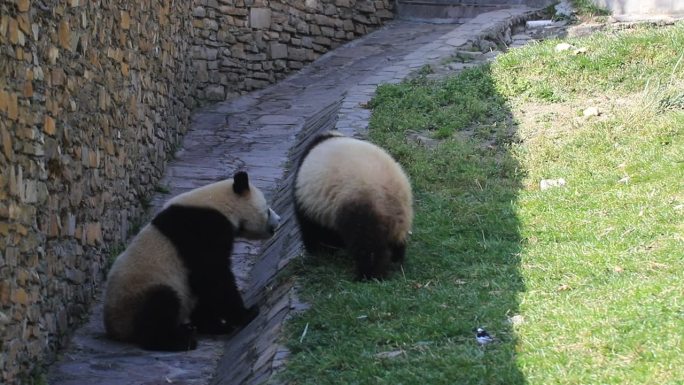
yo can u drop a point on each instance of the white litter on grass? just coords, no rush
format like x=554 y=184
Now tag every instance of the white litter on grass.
x=306 y=328
x=563 y=47
x=591 y=111
x=546 y=184
x=390 y=354
x=516 y=319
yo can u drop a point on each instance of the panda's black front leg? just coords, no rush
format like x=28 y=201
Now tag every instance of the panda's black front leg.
x=236 y=313
x=219 y=308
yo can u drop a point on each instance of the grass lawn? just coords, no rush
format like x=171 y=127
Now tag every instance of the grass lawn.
x=579 y=284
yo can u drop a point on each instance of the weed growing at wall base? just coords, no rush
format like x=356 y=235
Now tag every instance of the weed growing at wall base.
x=579 y=284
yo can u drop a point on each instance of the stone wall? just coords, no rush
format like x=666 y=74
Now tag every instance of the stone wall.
x=93 y=97
x=242 y=45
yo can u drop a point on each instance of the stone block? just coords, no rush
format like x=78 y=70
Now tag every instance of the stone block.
x=210 y=24
x=93 y=233
x=29 y=191
x=200 y=12
x=64 y=34
x=322 y=20
x=297 y=54
x=23 y=22
x=4 y=293
x=6 y=139
x=125 y=20
x=277 y=51
x=259 y=18
x=322 y=41
x=327 y=32
x=20 y=297
x=295 y=65
x=366 y=6
x=23 y=5
x=384 y=14
x=49 y=125
x=253 y=84
x=233 y=11
x=215 y=93
x=13 y=107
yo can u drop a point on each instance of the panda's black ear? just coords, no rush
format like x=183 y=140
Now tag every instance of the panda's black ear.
x=240 y=183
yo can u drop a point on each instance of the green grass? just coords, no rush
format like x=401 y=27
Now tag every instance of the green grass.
x=587 y=8
x=593 y=270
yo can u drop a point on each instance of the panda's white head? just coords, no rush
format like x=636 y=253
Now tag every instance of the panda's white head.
x=255 y=219
x=241 y=202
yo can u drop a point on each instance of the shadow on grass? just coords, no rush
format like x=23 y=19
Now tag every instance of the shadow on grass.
x=462 y=269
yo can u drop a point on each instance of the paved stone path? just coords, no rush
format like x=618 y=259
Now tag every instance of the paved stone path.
x=263 y=133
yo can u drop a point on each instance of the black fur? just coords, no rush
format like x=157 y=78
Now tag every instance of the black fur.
x=361 y=232
x=314 y=236
x=204 y=238
x=313 y=143
x=156 y=325
x=240 y=183
x=364 y=235
x=398 y=253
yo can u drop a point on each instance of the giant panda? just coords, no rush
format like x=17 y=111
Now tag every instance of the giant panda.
x=351 y=194
x=175 y=277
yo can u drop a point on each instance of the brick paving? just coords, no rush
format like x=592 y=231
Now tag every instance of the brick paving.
x=263 y=133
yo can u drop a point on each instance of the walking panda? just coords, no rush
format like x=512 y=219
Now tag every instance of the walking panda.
x=175 y=277
x=350 y=193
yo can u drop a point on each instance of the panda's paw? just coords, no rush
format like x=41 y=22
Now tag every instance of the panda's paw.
x=215 y=326
x=188 y=334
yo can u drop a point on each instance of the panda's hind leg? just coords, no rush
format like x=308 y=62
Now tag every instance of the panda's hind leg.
x=157 y=325
x=399 y=252
x=365 y=238
x=316 y=237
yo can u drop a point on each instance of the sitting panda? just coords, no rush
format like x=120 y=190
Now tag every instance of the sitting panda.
x=175 y=277
x=350 y=193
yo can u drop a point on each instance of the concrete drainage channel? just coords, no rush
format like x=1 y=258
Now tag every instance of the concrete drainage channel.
x=264 y=133
x=254 y=353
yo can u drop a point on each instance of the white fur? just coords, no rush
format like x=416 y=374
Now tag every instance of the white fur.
x=343 y=170
x=149 y=260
